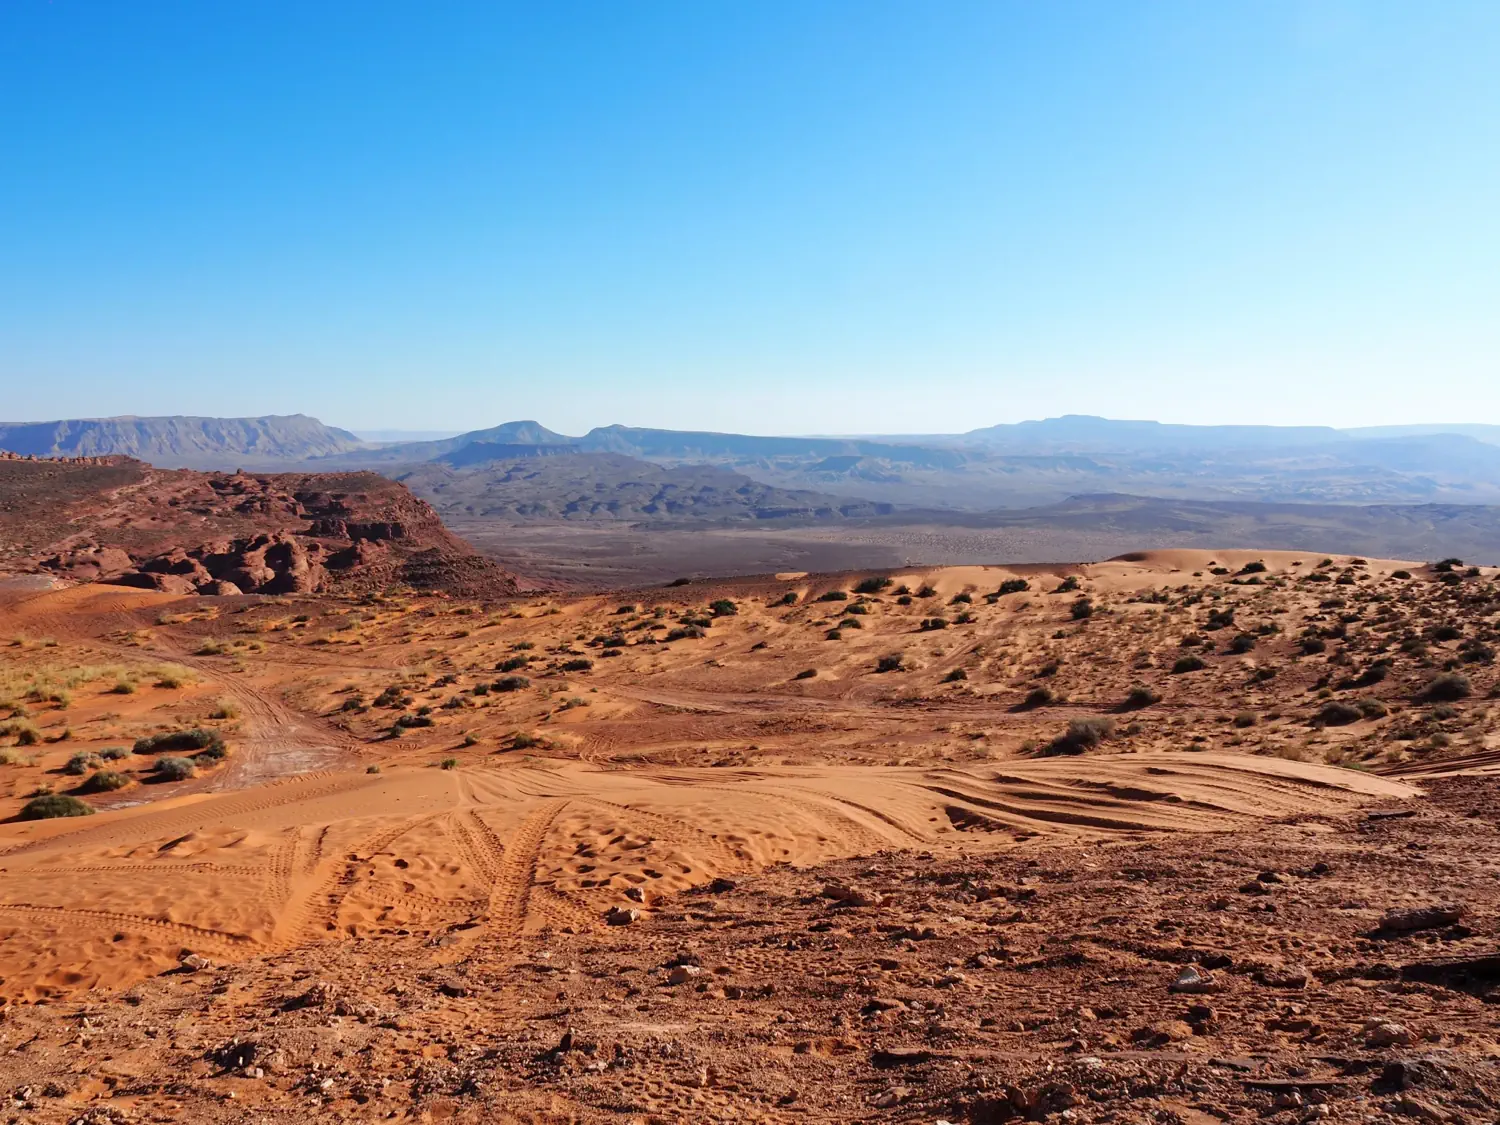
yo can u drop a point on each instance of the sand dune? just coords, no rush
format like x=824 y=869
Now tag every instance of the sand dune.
x=480 y=856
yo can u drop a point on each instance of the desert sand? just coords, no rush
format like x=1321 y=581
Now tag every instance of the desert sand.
x=744 y=836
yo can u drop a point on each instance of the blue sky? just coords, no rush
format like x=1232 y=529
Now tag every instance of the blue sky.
x=772 y=217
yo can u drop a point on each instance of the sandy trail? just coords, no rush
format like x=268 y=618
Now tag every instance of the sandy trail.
x=483 y=856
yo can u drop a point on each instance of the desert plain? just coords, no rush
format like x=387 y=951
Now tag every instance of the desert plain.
x=1183 y=836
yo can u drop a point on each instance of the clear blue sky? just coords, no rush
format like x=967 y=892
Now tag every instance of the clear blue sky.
x=761 y=216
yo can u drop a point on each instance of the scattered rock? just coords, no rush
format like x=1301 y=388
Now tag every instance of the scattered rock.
x=1420 y=918
x=1192 y=982
x=621 y=916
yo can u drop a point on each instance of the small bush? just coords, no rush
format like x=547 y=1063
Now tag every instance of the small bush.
x=195 y=739
x=1082 y=735
x=806 y=674
x=512 y=663
x=890 y=663
x=860 y=609
x=25 y=733
x=174 y=769
x=578 y=664
x=927 y=592
x=1262 y=674
x=1013 y=586
x=1311 y=646
x=1241 y=643
x=104 y=781
x=964 y=598
x=1038 y=697
x=834 y=635
x=1245 y=719
x=955 y=676
x=227 y=709
x=930 y=623
x=685 y=633
x=1256 y=567
x=1140 y=696
x=1449 y=687
x=80 y=763
x=834 y=596
x=872 y=585
x=1188 y=664
x=904 y=599
x=1082 y=609
x=1338 y=714
x=723 y=607
x=1372 y=708
x=448 y=764
x=1069 y=584
x=788 y=598
x=51 y=805
x=679 y=582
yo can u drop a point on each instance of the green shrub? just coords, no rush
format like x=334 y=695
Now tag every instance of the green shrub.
x=904 y=599
x=195 y=739
x=955 y=676
x=1081 y=735
x=723 y=607
x=927 y=592
x=174 y=769
x=834 y=635
x=1013 y=586
x=833 y=596
x=80 y=763
x=1337 y=713
x=930 y=623
x=1082 y=609
x=788 y=598
x=1138 y=697
x=964 y=598
x=890 y=663
x=448 y=764
x=1449 y=687
x=1069 y=584
x=872 y=585
x=104 y=781
x=1241 y=643
x=577 y=664
x=51 y=805
x=1245 y=719
x=1188 y=663
x=1253 y=568
x=1039 y=697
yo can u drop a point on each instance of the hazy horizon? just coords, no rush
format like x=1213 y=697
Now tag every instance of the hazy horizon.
x=778 y=218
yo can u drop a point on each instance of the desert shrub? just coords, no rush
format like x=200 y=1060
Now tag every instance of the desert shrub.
x=1256 y=567
x=1069 y=584
x=227 y=709
x=927 y=592
x=904 y=599
x=577 y=664
x=1447 y=565
x=80 y=763
x=964 y=598
x=1311 y=646
x=872 y=585
x=723 y=607
x=1372 y=708
x=685 y=633
x=114 y=753
x=104 y=781
x=1188 y=664
x=1262 y=674
x=806 y=674
x=214 y=752
x=195 y=739
x=955 y=676
x=448 y=764
x=1444 y=633
x=930 y=623
x=1241 y=643
x=1337 y=713
x=24 y=732
x=833 y=596
x=372 y=769
x=174 y=769
x=1048 y=669
x=512 y=663
x=626 y=609
x=51 y=805
x=1082 y=735
x=1191 y=640
x=9 y=756
x=406 y=722
x=1449 y=687
x=834 y=635
x=522 y=740
x=1039 y=697
x=1140 y=696
x=679 y=582
x=1245 y=719
x=1013 y=586
x=1476 y=652
x=890 y=663
x=788 y=598
x=1082 y=609
x=1401 y=574
x=1219 y=619
x=860 y=608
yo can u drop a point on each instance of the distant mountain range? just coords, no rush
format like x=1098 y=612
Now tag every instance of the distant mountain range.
x=995 y=467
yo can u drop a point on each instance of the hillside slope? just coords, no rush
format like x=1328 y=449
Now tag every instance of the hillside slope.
x=185 y=532
x=178 y=441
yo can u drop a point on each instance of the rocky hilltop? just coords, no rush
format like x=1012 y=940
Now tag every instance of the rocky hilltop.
x=122 y=521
